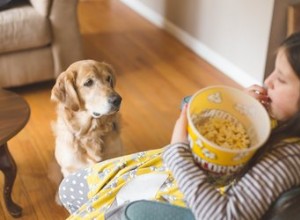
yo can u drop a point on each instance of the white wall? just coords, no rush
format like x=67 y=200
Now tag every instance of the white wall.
x=233 y=35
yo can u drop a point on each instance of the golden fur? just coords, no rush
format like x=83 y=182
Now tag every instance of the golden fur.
x=87 y=125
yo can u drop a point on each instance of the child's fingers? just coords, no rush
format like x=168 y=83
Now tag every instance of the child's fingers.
x=180 y=128
x=259 y=93
x=256 y=89
x=184 y=110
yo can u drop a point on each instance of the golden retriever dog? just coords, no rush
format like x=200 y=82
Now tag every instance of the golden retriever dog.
x=87 y=125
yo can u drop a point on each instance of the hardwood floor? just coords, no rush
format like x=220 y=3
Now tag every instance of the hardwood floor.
x=154 y=72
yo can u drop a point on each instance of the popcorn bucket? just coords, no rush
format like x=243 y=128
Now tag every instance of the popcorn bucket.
x=236 y=106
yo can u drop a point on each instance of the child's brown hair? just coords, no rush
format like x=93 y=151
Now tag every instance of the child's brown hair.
x=291 y=127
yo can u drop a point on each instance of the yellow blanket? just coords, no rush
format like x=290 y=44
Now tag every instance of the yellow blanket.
x=107 y=178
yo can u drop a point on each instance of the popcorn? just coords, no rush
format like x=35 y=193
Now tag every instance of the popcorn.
x=225 y=132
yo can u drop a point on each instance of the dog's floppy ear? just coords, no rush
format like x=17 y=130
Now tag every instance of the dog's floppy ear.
x=64 y=90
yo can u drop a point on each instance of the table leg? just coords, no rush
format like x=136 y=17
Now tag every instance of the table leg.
x=9 y=169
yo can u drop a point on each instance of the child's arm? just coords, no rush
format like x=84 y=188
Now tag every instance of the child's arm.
x=249 y=198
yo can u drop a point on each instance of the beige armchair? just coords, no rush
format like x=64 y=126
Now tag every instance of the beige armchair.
x=38 y=40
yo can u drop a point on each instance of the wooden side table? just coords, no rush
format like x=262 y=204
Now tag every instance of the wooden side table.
x=14 y=114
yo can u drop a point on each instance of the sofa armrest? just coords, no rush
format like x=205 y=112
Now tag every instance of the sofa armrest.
x=287 y=206
x=66 y=46
x=41 y=6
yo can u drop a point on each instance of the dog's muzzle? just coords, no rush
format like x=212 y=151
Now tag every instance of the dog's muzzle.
x=114 y=102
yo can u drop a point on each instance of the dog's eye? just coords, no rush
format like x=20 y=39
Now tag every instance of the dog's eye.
x=89 y=83
x=109 y=80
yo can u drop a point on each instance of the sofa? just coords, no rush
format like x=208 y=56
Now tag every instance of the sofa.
x=38 y=40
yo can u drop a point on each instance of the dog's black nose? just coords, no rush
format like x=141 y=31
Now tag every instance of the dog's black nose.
x=115 y=100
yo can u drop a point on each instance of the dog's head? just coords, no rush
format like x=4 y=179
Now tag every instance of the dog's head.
x=88 y=85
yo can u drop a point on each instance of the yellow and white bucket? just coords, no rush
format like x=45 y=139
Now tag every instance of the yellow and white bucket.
x=234 y=104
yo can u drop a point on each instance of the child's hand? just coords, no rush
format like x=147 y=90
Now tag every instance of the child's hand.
x=180 y=128
x=260 y=94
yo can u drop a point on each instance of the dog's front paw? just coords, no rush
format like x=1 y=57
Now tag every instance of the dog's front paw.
x=94 y=156
x=95 y=159
x=98 y=158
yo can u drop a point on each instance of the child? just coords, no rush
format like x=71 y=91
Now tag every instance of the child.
x=273 y=170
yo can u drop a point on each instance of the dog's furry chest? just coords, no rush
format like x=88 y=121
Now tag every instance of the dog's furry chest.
x=94 y=136
x=83 y=131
